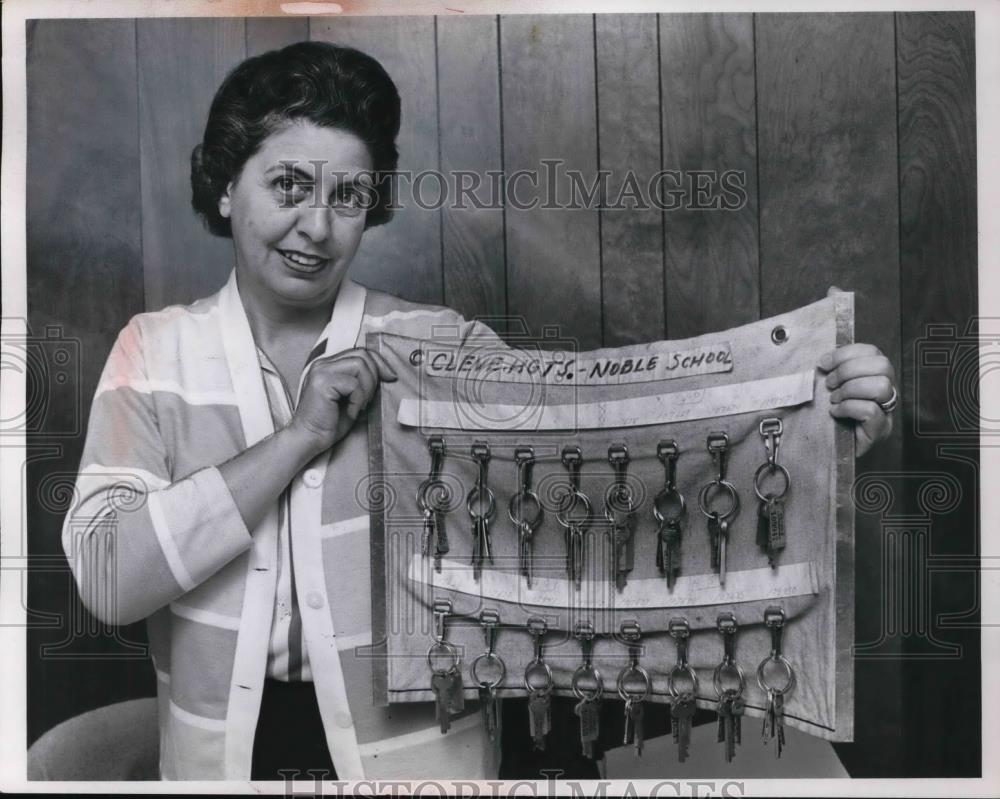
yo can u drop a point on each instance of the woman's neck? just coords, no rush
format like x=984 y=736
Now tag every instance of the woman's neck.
x=274 y=323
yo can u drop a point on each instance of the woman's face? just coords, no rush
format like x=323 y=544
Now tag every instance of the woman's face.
x=297 y=214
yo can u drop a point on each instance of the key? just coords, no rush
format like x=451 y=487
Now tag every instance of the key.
x=763 y=526
x=634 y=713
x=661 y=535
x=589 y=712
x=576 y=554
x=428 y=533
x=672 y=551
x=455 y=691
x=441 y=537
x=620 y=540
x=713 y=534
x=774 y=722
x=539 y=717
x=681 y=712
x=487 y=548
x=776 y=529
x=441 y=685
x=723 y=544
x=730 y=708
x=627 y=738
x=737 y=707
x=491 y=710
x=524 y=536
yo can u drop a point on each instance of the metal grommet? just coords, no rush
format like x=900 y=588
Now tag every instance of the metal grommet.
x=779 y=335
x=780 y=659
x=417 y=357
x=733 y=497
x=493 y=658
x=777 y=468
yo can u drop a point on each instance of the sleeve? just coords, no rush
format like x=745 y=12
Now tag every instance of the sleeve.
x=135 y=539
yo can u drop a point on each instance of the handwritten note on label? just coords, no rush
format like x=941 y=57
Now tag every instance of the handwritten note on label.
x=644 y=363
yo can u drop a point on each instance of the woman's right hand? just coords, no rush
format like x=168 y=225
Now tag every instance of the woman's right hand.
x=336 y=390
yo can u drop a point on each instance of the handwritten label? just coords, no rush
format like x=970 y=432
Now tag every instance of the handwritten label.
x=512 y=365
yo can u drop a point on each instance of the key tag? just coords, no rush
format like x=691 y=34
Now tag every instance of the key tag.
x=669 y=509
x=729 y=683
x=776 y=678
x=481 y=549
x=574 y=525
x=588 y=707
x=619 y=509
x=446 y=677
x=434 y=500
x=771 y=515
x=525 y=509
x=490 y=661
x=634 y=686
x=538 y=682
x=682 y=706
x=718 y=522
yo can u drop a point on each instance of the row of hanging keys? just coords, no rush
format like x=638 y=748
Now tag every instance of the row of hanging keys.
x=718 y=500
x=775 y=676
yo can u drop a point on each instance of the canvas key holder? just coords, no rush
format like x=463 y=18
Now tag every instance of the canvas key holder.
x=549 y=397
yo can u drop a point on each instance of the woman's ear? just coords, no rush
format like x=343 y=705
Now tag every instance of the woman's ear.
x=225 y=203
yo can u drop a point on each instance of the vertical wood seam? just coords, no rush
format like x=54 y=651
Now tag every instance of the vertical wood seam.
x=440 y=166
x=663 y=211
x=503 y=188
x=601 y=200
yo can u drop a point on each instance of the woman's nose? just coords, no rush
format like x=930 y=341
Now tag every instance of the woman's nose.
x=316 y=222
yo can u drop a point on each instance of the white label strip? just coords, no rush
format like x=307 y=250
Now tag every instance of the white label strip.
x=788 y=580
x=703 y=403
x=640 y=364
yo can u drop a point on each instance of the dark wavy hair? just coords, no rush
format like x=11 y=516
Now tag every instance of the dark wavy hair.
x=329 y=85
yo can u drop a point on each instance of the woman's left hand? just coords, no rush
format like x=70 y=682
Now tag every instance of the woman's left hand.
x=861 y=380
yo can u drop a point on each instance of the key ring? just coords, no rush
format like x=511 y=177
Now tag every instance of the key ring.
x=726 y=624
x=537 y=628
x=771 y=430
x=441 y=610
x=490 y=620
x=573 y=460
x=631 y=632
x=717 y=445
x=584 y=633
x=774 y=618
x=680 y=631
x=524 y=457
x=669 y=497
x=619 y=491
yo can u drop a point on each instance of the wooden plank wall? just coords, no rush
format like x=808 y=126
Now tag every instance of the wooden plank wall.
x=852 y=136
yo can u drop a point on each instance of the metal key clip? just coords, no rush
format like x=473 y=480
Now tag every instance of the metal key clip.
x=770 y=430
x=727 y=627
x=490 y=621
x=584 y=633
x=631 y=633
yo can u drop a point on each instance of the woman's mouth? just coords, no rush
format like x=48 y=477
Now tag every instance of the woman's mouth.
x=303 y=262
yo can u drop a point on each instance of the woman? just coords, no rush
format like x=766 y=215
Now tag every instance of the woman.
x=232 y=421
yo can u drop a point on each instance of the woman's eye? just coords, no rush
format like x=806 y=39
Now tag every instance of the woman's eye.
x=348 y=200
x=291 y=189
